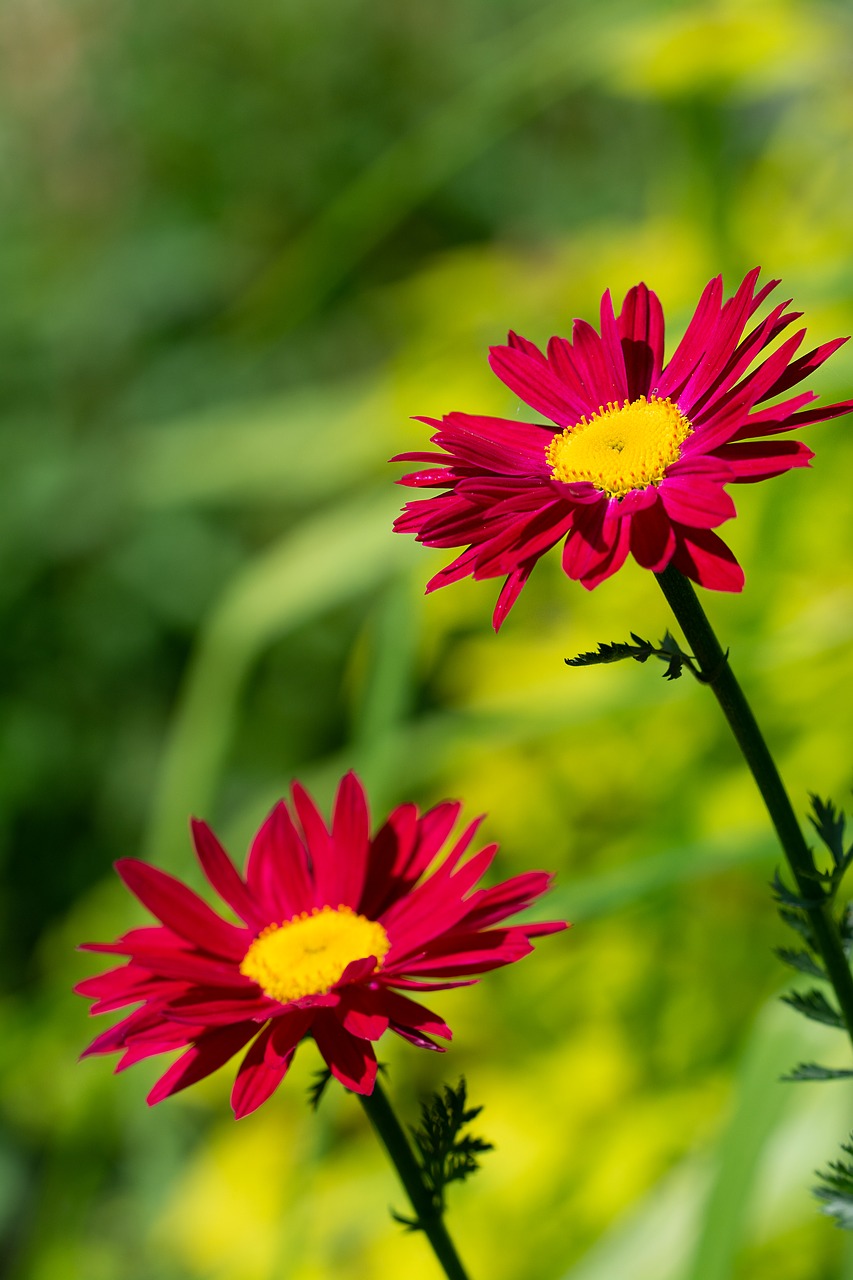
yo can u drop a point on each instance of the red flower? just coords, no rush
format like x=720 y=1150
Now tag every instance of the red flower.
x=642 y=453
x=335 y=926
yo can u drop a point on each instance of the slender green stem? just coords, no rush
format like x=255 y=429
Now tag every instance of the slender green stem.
x=428 y=1214
x=717 y=673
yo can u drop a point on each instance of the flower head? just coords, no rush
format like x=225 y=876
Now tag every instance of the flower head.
x=335 y=925
x=642 y=451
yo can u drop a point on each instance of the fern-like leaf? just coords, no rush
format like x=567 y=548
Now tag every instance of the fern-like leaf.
x=787 y=898
x=829 y=823
x=814 y=1005
x=813 y=1071
x=317 y=1089
x=640 y=650
x=836 y=1190
x=802 y=961
x=446 y=1155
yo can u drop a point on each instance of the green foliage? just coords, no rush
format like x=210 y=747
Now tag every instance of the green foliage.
x=836 y=1190
x=804 y=961
x=829 y=823
x=445 y=1154
x=794 y=906
x=318 y=1087
x=641 y=650
x=814 y=1004
x=812 y=1071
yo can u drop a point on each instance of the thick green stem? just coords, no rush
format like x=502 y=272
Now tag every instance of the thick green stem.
x=428 y=1214
x=717 y=673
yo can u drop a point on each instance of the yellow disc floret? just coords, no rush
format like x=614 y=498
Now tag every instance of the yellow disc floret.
x=308 y=954
x=622 y=447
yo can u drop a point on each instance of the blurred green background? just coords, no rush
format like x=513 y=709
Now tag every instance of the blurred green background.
x=240 y=245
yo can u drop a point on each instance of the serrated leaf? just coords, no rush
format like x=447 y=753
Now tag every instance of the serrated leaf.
x=839 y=1207
x=836 y=1193
x=800 y=923
x=616 y=651
x=814 y=1005
x=411 y=1224
x=813 y=1071
x=669 y=651
x=445 y=1155
x=829 y=823
x=316 y=1090
x=802 y=961
x=788 y=898
x=669 y=647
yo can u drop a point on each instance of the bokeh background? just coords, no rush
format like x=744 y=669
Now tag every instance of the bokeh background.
x=240 y=245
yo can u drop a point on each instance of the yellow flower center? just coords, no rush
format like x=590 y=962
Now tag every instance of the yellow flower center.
x=622 y=447
x=308 y=954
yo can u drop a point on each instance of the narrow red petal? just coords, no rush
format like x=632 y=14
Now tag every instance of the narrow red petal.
x=703 y=557
x=652 y=538
x=211 y=1051
x=535 y=384
x=350 y=1060
x=403 y=1012
x=181 y=909
x=223 y=875
x=258 y=1077
x=696 y=502
x=321 y=850
x=763 y=459
x=351 y=837
x=641 y=328
x=278 y=869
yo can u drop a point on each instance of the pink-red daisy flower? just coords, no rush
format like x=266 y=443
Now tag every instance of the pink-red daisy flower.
x=335 y=925
x=642 y=452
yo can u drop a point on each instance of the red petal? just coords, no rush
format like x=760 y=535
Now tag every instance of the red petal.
x=223 y=875
x=535 y=384
x=652 y=538
x=115 y=1038
x=502 y=445
x=695 y=502
x=364 y=1013
x=641 y=327
x=705 y=558
x=695 y=341
x=510 y=592
x=212 y=1008
x=469 y=952
x=603 y=384
x=562 y=360
x=261 y=1071
x=350 y=836
x=418 y=1039
x=181 y=909
x=320 y=847
x=723 y=340
x=612 y=348
x=277 y=868
x=208 y=1054
x=350 y=1060
x=764 y=458
x=407 y=1013
x=488 y=906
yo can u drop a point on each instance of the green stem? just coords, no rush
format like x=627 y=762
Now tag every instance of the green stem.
x=428 y=1214
x=717 y=673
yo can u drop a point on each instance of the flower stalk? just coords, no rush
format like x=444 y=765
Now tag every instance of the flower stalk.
x=717 y=674
x=428 y=1212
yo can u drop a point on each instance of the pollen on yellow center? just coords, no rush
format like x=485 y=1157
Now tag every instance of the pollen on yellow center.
x=622 y=447
x=308 y=954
